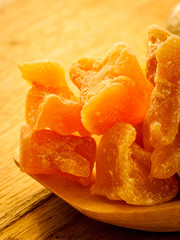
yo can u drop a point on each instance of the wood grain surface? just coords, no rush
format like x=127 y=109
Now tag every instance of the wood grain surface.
x=62 y=31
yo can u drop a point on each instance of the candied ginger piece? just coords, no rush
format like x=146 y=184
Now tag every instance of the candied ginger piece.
x=50 y=103
x=47 y=152
x=166 y=160
x=123 y=170
x=45 y=73
x=47 y=110
x=156 y=36
x=162 y=120
x=113 y=89
x=34 y=99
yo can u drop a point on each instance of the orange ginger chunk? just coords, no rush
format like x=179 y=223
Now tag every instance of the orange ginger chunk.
x=47 y=152
x=112 y=89
x=123 y=170
x=47 y=110
x=162 y=120
x=156 y=36
x=50 y=103
x=48 y=74
x=166 y=160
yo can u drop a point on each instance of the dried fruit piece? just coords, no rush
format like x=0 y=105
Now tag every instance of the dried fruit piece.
x=113 y=89
x=45 y=110
x=47 y=74
x=34 y=98
x=123 y=170
x=162 y=120
x=50 y=103
x=156 y=36
x=47 y=152
x=166 y=160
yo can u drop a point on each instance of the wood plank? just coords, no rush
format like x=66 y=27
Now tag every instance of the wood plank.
x=43 y=221
x=19 y=194
x=88 y=229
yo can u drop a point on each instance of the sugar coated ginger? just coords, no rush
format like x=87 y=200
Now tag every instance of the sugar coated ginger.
x=133 y=116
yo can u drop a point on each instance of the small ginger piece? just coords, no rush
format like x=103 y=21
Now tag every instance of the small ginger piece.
x=48 y=74
x=49 y=110
x=112 y=89
x=162 y=120
x=156 y=36
x=47 y=152
x=166 y=160
x=50 y=103
x=123 y=170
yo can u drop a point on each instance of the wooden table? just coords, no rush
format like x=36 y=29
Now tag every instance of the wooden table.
x=62 y=31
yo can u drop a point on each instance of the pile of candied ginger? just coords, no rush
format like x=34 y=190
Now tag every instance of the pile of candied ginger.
x=136 y=156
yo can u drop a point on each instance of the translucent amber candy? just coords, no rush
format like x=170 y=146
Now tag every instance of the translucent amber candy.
x=49 y=74
x=112 y=89
x=123 y=170
x=162 y=120
x=156 y=36
x=166 y=160
x=47 y=152
x=50 y=103
x=45 y=109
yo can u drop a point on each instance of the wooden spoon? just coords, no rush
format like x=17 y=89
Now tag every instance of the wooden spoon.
x=161 y=218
